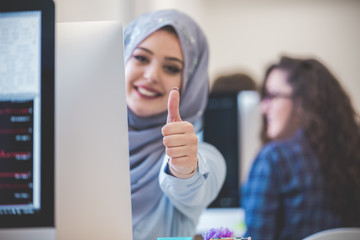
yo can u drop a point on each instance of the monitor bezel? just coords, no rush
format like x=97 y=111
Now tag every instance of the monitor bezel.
x=46 y=216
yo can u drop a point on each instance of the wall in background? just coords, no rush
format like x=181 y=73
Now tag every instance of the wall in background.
x=94 y=10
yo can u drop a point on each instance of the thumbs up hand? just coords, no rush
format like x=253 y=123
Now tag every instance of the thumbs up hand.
x=180 y=140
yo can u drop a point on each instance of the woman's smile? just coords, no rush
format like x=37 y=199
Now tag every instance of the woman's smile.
x=147 y=92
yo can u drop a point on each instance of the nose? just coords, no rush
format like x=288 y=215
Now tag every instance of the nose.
x=152 y=73
x=264 y=106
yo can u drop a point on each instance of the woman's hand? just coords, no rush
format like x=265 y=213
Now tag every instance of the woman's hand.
x=180 y=140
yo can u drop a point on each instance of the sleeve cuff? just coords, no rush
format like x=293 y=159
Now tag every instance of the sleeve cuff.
x=202 y=169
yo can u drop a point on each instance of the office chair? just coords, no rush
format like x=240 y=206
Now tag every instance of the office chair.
x=233 y=83
x=335 y=234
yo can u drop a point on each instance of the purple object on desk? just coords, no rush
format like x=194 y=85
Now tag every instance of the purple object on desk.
x=218 y=233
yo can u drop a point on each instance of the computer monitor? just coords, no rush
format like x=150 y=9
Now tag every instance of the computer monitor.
x=93 y=197
x=232 y=125
x=27 y=119
x=222 y=129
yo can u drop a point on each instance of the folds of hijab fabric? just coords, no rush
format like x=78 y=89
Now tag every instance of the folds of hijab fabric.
x=145 y=138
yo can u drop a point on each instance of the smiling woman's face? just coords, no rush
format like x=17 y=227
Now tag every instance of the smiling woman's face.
x=154 y=68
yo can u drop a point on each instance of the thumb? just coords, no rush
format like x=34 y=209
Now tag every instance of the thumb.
x=173 y=106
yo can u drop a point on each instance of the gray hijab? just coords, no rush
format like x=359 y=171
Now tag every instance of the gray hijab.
x=145 y=138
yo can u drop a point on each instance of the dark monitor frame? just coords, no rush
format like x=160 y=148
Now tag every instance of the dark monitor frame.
x=45 y=217
x=222 y=110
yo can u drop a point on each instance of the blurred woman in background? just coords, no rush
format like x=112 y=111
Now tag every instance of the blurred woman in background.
x=306 y=178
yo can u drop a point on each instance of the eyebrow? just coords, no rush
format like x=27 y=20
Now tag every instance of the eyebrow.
x=166 y=58
x=145 y=49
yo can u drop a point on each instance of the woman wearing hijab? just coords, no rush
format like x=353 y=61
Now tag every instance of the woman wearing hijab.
x=174 y=177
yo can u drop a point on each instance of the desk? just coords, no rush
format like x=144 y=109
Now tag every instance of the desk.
x=231 y=218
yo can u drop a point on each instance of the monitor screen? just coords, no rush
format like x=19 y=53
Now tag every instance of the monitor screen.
x=26 y=114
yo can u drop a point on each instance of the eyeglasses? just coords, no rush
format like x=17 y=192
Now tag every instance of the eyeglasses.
x=271 y=96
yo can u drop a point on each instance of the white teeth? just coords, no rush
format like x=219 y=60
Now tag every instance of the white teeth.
x=146 y=92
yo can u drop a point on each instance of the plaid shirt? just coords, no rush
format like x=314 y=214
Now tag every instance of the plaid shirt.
x=284 y=197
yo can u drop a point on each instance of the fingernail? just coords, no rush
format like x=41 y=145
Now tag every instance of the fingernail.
x=175 y=88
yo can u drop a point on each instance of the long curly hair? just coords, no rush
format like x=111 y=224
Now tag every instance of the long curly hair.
x=331 y=125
